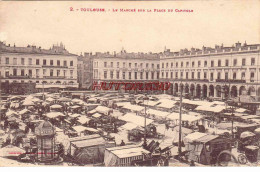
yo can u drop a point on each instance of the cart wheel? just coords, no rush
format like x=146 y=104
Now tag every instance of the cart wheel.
x=242 y=159
x=160 y=162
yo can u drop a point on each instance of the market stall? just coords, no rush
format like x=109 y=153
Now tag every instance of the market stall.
x=88 y=149
x=123 y=155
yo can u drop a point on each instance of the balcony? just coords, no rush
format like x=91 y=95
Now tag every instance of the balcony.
x=231 y=80
x=182 y=79
x=54 y=77
x=57 y=85
x=18 y=77
x=52 y=66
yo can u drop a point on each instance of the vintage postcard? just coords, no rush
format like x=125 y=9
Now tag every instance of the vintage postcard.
x=130 y=83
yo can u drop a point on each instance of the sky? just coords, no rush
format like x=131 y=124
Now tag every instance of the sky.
x=44 y=23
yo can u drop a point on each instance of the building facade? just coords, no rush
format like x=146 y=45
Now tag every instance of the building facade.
x=126 y=67
x=220 y=72
x=36 y=68
x=85 y=71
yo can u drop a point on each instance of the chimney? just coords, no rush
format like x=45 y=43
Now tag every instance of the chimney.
x=238 y=45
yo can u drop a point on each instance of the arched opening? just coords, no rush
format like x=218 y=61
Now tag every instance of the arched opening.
x=186 y=89
x=204 y=90
x=233 y=91
x=71 y=82
x=211 y=91
x=181 y=87
x=176 y=89
x=192 y=88
x=226 y=91
x=251 y=91
x=218 y=90
x=198 y=91
x=170 y=90
x=258 y=92
x=242 y=90
x=44 y=82
x=58 y=82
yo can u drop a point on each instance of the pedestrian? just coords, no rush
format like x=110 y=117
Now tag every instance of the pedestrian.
x=122 y=143
x=192 y=163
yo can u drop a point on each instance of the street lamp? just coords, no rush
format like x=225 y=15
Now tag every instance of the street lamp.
x=145 y=141
x=180 y=123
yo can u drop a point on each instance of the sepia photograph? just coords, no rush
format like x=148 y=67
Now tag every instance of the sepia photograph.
x=130 y=83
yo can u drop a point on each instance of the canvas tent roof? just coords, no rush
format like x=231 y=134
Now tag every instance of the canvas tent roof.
x=194 y=136
x=128 y=151
x=102 y=109
x=157 y=113
x=54 y=114
x=207 y=138
x=185 y=117
x=133 y=118
x=97 y=115
x=129 y=126
x=134 y=108
x=89 y=142
x=56 y=106
x=83 y=119
x=82 y=128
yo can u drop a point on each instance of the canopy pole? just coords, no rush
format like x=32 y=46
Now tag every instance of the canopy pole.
x=180 y=123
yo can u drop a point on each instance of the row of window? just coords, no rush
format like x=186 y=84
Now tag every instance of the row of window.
x=212 y=63
x=44 y=62
x=45 y=82
x=22 y=73
x=252 y=75
x=129 y=65
x=130 y=75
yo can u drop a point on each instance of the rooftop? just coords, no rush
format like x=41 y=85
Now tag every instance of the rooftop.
x=124 y=54
x=218 y=49
x=32 y=49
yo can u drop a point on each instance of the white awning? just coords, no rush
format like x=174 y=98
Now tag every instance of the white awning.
x=83 y=119
x=54 y=114
x=134 y=108
x=56 y=106
x=133 y=118
x=102 y=109
x=129 y=126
